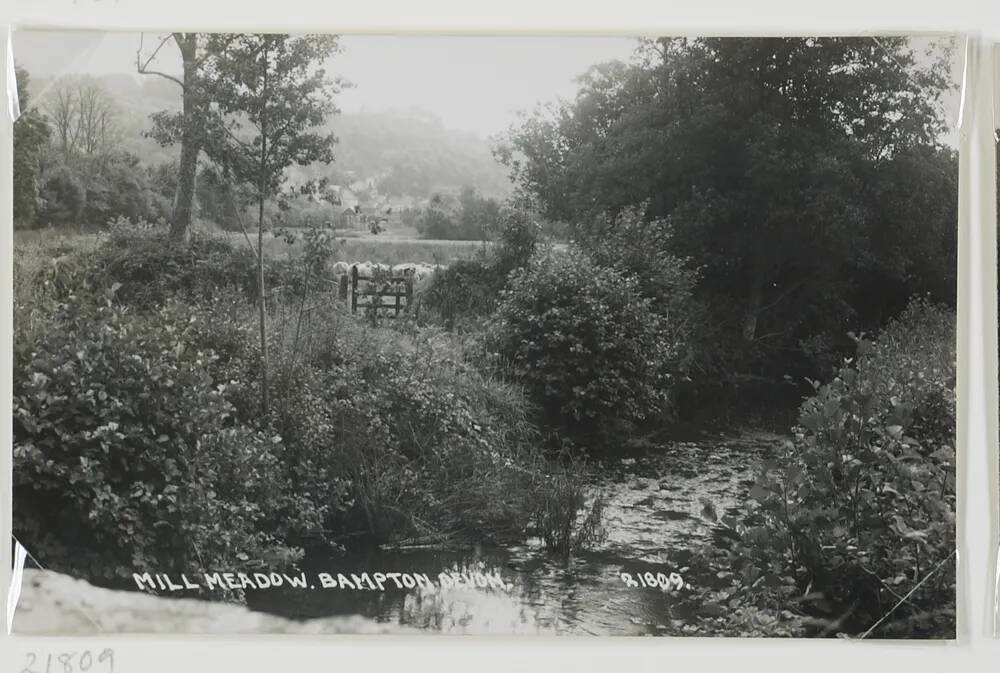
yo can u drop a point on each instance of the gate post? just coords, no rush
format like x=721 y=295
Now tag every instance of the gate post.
x=354 y=288
x=409 y=289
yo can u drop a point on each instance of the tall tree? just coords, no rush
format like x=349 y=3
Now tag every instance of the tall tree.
x=190 y=126
x=272 y=94
x=31 y=132
x=768 y=156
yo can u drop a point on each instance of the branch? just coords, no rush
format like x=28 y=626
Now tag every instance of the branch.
x=206 y=54
x=784 y=295
x=908 y=594
x=239 y=216
x=243 y=145
x=141 y=67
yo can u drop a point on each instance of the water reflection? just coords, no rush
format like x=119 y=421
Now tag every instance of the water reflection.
x=653 y=520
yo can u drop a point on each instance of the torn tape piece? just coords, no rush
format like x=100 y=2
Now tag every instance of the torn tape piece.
x=13 y=104
x=965 y=91
x=14 y=592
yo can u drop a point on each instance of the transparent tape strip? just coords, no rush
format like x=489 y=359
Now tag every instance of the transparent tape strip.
x=13 y=104
x=14 y=592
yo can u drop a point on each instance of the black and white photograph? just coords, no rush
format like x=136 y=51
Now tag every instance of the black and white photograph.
x=485 y=334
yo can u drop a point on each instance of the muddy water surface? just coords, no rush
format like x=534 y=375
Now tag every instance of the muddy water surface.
x=654 y=517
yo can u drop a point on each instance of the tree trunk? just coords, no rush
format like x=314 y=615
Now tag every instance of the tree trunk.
x=264 y=388
x=755 y=300
x=261 y=192
x=180 y=221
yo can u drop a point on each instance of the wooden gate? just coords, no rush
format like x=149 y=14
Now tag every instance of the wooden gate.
x=379 y=285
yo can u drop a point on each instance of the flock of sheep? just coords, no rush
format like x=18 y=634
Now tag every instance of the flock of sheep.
x=422 y=272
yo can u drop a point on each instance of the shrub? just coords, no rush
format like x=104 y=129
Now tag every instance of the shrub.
x=62 y=198
x=90 y=190
x=470 y=289
x=126 y=452
x=466 y=289
x=138 y=428
x=862 y=505
x=519 y=237
x=641 y=248
x=151 y=268
x=587 y=345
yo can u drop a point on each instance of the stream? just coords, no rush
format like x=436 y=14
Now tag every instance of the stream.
x=653 y=520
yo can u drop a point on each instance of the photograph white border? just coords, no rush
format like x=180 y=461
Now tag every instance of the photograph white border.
x=975 y=649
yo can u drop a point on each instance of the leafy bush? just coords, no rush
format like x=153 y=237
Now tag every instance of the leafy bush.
x=639 y=247
x=589 y=347
x=466 y=289
x=90 y=190
x=126 y=452
x=470 y=289
x=861 y=507
x=139 y=440
x=519 y=236
x=151 y=268
x=62 y=198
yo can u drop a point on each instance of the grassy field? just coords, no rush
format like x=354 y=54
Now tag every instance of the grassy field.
x=385 y=248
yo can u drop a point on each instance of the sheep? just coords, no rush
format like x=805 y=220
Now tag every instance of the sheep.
x=364 y=268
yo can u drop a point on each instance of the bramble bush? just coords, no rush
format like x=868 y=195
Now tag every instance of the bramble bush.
x=588 y=346
x=860 y=510
x=127 y=456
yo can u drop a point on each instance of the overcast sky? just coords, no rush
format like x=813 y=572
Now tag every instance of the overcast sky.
x=475 y=83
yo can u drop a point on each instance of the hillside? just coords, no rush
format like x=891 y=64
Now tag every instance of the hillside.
x=408 y=153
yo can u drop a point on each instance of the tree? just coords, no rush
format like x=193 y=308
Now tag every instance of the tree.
x=770 y=158
x=189 y=127
x=271 y=95
x=467 y=217
x=31 y=133
x=84 y=118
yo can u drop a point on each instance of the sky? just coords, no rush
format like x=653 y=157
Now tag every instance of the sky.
x=476 y=84
x=473 y=84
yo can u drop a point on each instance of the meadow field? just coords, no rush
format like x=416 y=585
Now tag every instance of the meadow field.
x=385 y=248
